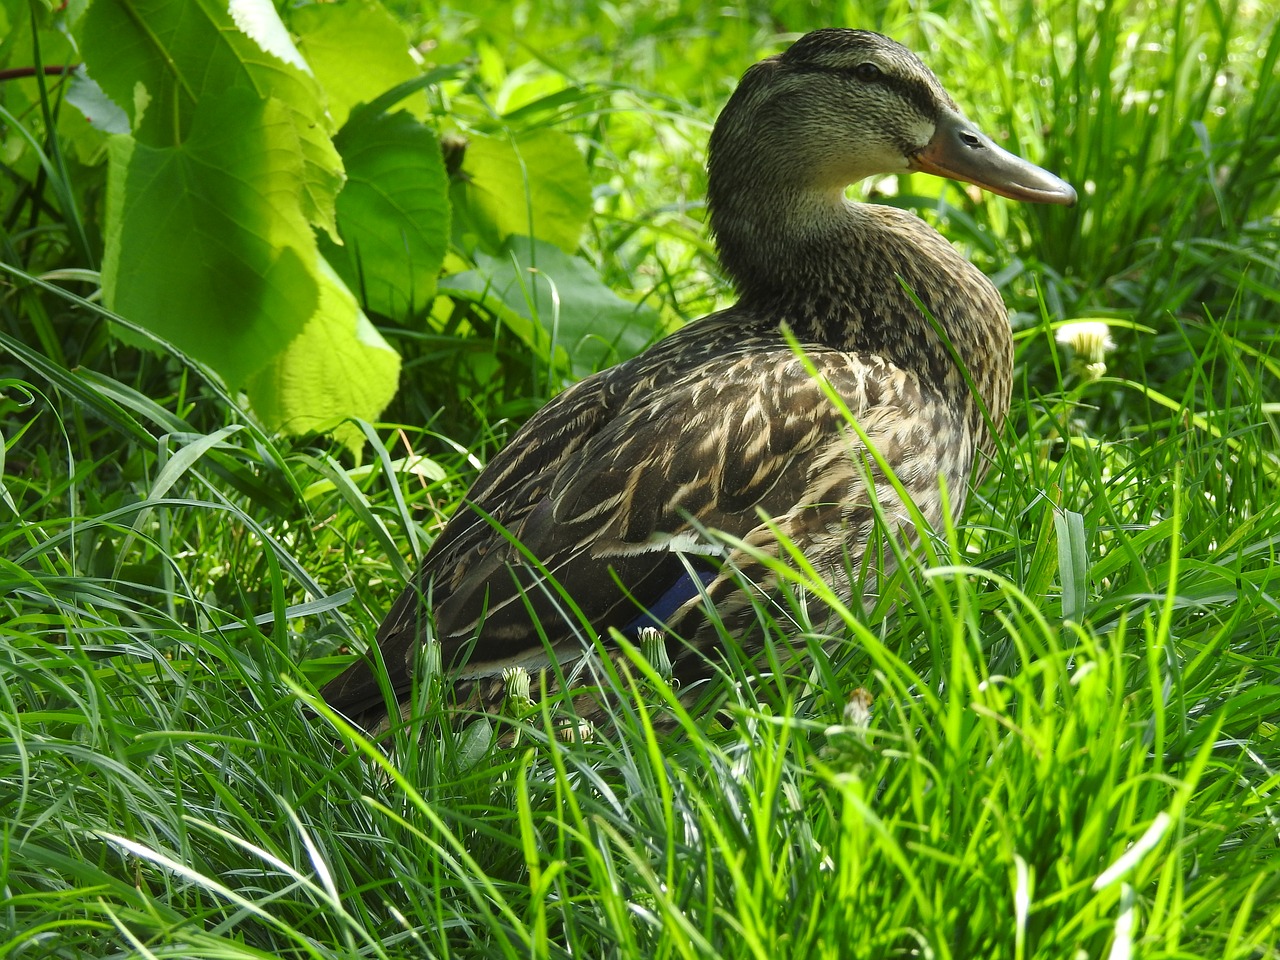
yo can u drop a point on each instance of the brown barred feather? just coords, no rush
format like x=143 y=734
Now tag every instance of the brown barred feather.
x=627 y=479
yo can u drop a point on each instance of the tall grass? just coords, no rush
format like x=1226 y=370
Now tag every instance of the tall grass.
x=1026 y=785
x=1071 y=744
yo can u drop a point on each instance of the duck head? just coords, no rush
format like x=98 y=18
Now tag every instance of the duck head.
x=839 y=106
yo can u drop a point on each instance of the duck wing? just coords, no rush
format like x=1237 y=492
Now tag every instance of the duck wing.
x=616 y=488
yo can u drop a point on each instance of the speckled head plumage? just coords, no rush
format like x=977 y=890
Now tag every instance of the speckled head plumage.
x=652 y=489
x=834 y=108
x=861 y=99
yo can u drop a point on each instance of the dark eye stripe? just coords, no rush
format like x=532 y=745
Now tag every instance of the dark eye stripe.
x=915 y=92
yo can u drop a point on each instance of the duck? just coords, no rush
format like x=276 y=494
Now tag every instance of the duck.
x=657 y=493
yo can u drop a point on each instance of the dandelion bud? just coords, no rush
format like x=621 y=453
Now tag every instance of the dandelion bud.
x=516 y=680
x=653 y=647
x=1090 y=342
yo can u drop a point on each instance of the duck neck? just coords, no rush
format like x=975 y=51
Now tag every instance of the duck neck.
x=838 y=274
x=832 y=269
x=781 y=242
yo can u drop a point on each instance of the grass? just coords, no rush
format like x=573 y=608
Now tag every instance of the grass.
x=1026 y=786
x=1072 y=746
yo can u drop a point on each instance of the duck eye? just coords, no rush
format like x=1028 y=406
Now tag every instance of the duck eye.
x=867 y=72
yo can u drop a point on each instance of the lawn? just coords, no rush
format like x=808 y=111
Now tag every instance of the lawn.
x=1057 y=737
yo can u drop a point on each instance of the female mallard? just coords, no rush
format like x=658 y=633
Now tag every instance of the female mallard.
x=618 y=487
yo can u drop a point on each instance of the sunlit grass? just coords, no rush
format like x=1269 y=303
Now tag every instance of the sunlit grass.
x=1027 y=784
x=1072 y=741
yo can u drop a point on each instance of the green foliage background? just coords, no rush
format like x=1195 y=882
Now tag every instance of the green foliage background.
x=275 y=284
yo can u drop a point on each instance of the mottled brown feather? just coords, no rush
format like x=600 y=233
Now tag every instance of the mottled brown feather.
x=623 y=480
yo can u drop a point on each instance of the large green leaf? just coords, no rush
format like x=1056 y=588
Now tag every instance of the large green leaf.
x=557 y=304
x=160 y=59
x=393 y=213
x=535 y=184
x=211 y=201
x=357 y=51
x=206 y=241
x=337 y=368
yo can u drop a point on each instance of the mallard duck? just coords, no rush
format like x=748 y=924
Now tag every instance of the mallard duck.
x=653 y=488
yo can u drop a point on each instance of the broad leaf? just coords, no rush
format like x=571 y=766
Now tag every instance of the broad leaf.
x=206 y=243
x=393 y=213
x=536 y=184
x=211 y=201
x=160 y=59
x=337 y=368
x=557 y=304
x=98 y=109
x=357 y=50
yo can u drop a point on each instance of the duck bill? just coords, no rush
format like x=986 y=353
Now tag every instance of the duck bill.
x=959 y=151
